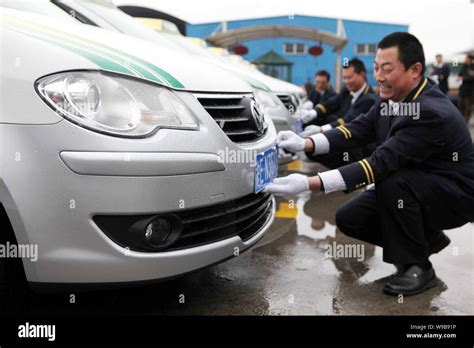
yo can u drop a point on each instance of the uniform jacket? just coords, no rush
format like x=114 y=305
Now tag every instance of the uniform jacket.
x=318 y=98
x=437 y=141
x=443 y=73
x=339 y=109
x=467 y=86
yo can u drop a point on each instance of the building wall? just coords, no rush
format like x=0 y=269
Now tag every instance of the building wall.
x=305 y=66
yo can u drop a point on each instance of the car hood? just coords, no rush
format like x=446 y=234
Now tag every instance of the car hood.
x=253 y=77
x=95 y=48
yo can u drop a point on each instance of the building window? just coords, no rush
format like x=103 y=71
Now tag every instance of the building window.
x=294 y=48
x=366 y=49
x=300 y=48
x=288 y=48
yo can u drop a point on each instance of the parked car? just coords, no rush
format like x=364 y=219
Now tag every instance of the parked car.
x=111 y=155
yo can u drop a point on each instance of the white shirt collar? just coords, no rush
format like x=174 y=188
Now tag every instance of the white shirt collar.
x=356 y=95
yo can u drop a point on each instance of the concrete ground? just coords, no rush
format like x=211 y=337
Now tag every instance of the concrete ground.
x=288 y=272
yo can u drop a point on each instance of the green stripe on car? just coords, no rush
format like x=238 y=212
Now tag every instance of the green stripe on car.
x=104 y=56
x=253 y=82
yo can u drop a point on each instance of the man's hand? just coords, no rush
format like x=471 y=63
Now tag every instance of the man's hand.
x=308 y=105
x=293 y=184
x=288 y=185
x=308 y=115
x=290 y=141
x=310 y=130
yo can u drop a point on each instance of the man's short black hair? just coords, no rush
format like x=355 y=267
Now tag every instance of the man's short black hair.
x=410 y=49
x=324 y=73
x=357 y=64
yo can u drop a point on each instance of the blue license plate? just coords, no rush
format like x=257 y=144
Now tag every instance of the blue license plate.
x=266 y=168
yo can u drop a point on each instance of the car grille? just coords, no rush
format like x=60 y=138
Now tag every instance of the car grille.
x=242 y=217
x=233 y=114
x=286 y=99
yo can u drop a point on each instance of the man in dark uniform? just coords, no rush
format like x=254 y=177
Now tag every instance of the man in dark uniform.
x=356 y=98
x=423 y=167
x=322 y=90
x=466 y=91
x=441 y=71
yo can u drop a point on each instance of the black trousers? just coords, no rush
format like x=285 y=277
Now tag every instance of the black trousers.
x=466 y=105
x=404 y=214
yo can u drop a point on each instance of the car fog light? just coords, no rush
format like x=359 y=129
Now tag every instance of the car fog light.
x=155 y=233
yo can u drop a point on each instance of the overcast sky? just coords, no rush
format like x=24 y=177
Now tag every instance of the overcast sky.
x=445 y=26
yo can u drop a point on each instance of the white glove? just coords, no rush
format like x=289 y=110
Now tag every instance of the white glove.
x=326 y=127
x=282 y=153
x=310 y=130
x=308 y=115
x=288 y=185
x=290 y=141
x=308 y=105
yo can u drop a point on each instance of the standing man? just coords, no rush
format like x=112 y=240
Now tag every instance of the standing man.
x=466 y=91
x=441 y=70
x=423 y=167
x=322 y=91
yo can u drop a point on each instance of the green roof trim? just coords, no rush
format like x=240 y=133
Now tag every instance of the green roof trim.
x=272 y=58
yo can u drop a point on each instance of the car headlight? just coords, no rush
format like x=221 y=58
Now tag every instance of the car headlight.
x=114 y=105
x=268 y=100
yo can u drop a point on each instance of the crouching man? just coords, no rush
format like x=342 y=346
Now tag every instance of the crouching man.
x=422 y=167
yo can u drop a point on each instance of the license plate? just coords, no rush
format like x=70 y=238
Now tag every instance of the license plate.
x=266 y=168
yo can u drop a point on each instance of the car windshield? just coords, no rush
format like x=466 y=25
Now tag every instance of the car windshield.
x=42 y=7
x=131 y=26
x=115 y=17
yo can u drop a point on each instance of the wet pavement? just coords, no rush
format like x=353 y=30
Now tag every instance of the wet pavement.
x=288 y=272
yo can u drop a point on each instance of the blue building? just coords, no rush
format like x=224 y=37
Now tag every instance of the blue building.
x=362 y=39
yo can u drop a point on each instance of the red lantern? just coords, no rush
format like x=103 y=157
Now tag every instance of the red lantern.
x=240 y=50
x=315 y=51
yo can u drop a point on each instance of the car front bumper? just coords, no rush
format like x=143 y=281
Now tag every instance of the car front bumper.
x=56 y=178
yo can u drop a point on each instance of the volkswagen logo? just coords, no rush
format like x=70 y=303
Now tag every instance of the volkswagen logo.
x=257 y=115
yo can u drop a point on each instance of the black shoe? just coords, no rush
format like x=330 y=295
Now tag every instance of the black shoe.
x=412 y=281
x=400 y=269
x=439 y=243
x=435 y=246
